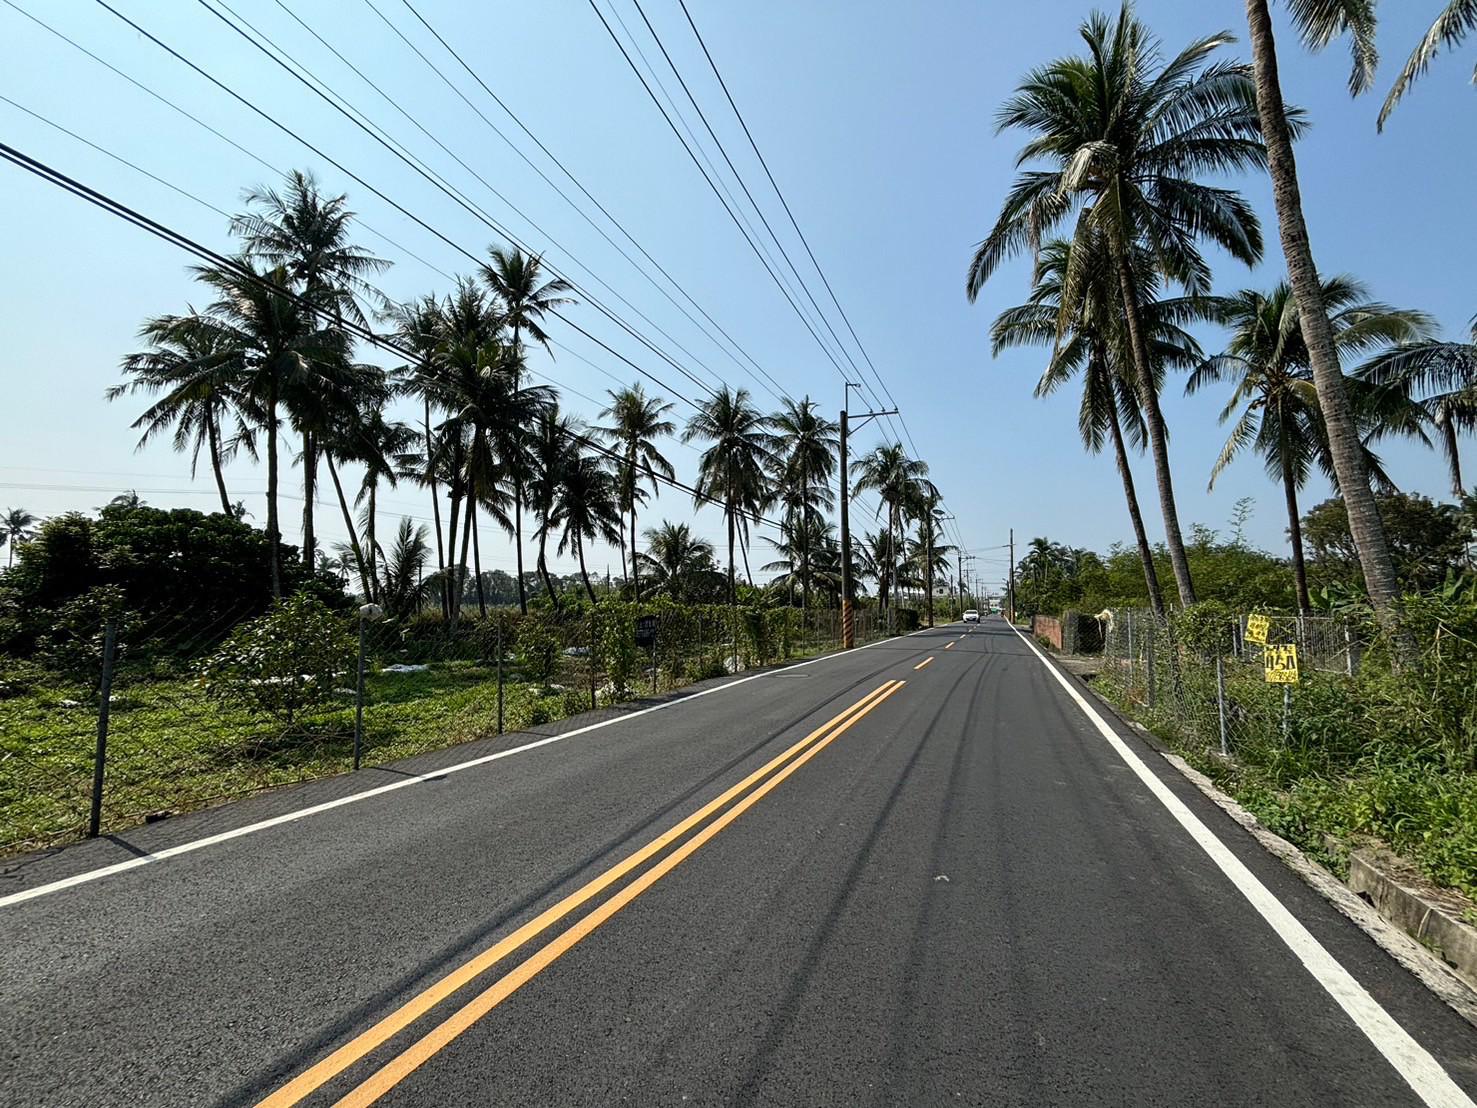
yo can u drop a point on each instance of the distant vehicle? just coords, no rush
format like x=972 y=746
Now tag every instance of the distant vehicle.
x=971 y=616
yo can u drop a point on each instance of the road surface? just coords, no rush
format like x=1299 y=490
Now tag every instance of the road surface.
x=914 y=874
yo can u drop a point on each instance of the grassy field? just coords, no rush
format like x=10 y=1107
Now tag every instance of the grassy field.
x=171 y=749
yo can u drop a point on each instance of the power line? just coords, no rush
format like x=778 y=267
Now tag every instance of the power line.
x=175 y=238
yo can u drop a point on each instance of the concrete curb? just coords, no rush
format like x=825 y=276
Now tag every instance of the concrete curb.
x=1454 y=990
x=1431 y=914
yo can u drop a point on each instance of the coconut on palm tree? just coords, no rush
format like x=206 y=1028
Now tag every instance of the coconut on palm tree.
x=1126 y=140
x=1267 y=360
x=199 y=374
x=1321 y=22
x=733 y=471
x=637 y=421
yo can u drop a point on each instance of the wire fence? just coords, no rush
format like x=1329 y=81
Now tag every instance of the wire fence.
x=117 y=720
x=1230 y=684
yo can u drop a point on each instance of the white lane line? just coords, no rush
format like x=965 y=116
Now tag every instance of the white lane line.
x=1411 y=1060
x=380 y=790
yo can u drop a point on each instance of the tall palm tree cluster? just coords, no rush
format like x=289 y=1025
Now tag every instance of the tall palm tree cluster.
x=267 y=368
x=1122 y=188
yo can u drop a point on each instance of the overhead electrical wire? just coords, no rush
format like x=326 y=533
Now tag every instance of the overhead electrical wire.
x=175 y=238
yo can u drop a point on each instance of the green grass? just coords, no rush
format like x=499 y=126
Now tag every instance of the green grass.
x=171 y=749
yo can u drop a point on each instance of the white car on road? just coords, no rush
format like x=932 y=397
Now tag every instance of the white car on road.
x=971 y=616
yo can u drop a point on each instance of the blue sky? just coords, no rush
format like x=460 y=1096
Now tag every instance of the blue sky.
x=876 y=119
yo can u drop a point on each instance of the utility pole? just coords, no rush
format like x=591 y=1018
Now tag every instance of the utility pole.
x=848 y=627
x=1010 y=577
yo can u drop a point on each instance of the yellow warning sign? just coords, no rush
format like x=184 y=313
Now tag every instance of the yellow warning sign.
x=1281 y=663
x=1257 y=628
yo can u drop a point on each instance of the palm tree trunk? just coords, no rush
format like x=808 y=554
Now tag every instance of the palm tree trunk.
x=1158 y=447
x=453 y=570
x=456 y=610
x=518 y=544
x=477 y=559
x=373 y=544
x=274 y=533
x=732 y=584
x=543 y=566
x=310 y=474
x=343 y=505
x=635 y=572
x=744 y=551
x=213 y=442
x=1302 y=274
x=1295 y=533
x=1453 y=458
x=579 y=548
x=1146 y=553
x=436 y=515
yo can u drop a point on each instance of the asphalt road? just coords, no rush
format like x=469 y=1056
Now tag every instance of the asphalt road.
x=815 y=887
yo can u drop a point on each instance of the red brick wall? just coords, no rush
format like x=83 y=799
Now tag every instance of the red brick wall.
x=1048 y=628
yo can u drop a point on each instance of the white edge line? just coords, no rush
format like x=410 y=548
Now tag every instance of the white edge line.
x=380 y=790
x=1411 y=1060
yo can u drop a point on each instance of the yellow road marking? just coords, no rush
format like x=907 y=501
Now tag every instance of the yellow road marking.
x=949 y=646
x=415 y=1056
x=925 y=662
x=417 y=1006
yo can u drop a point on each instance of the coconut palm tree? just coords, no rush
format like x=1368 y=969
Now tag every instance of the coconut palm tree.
x=306 y=234
x=1091 y=340
x=1457 y=20
x=400 y=586
x=733 y=471
x=18 y=526
x=287 y=354
x=550 y=451
x=1321 y=22
x=637 y=421
x=386 y=456
x=895 y=478
x=1127 y=139
x=929 y=555
x=805 y=449
x=199 y=374
x=1444 y=375
x=517 y=281
x=586 y=506
x=676 y=559
x=1267 y=360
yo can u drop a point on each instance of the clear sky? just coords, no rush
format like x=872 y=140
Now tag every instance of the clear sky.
x=875 y=117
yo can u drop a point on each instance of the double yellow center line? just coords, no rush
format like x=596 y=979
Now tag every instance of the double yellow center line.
x=747 y=792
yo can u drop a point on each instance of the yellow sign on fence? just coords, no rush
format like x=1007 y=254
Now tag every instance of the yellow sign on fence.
x=1281 y=664
x=1257 y=628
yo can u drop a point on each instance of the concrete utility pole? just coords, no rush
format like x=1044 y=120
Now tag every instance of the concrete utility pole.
x=848 y=627
x=1010 y=577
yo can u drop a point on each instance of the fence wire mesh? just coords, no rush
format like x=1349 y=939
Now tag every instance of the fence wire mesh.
x=201 y=711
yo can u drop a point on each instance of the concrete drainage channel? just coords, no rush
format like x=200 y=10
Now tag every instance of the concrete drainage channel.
x=1416 y=923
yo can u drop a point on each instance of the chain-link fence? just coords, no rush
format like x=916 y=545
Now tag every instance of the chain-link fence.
x=117 y=720
x=1226 y=682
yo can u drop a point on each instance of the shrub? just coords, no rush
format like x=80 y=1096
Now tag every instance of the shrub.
x=618 y=646
x=538 y=648
x=282 y=663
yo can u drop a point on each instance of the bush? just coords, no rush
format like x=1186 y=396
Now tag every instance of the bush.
x=617 y=646
x=284 y=662
x=538 y=648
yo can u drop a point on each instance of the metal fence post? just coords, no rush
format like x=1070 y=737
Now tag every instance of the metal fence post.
x=1149 y=667
x=499 y=672
x=1220 y=702
x=100 y=757
x=1286 y=714
x=592 y=658
x=1132 y=657
x=656 y=634
x=359 y=697
x=1348 y=651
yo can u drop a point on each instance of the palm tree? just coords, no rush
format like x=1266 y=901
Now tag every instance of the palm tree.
x=1127 y=138
x=385 y=453
x=306 y=234
x=400 y=584
x=676 y=559
x=929 y=555
x=200 y=376
x=18 y=526
x=1091 y=339
x=1456 y=21
x=1321 y=22
x=587 y=506
x=1267 y=360
x=550 y=450
x=805 y=449
x=286 y=354
x=1446 y=373
x=516 y=282
x=637 y=421
x=888 y=471
x=733 y=470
